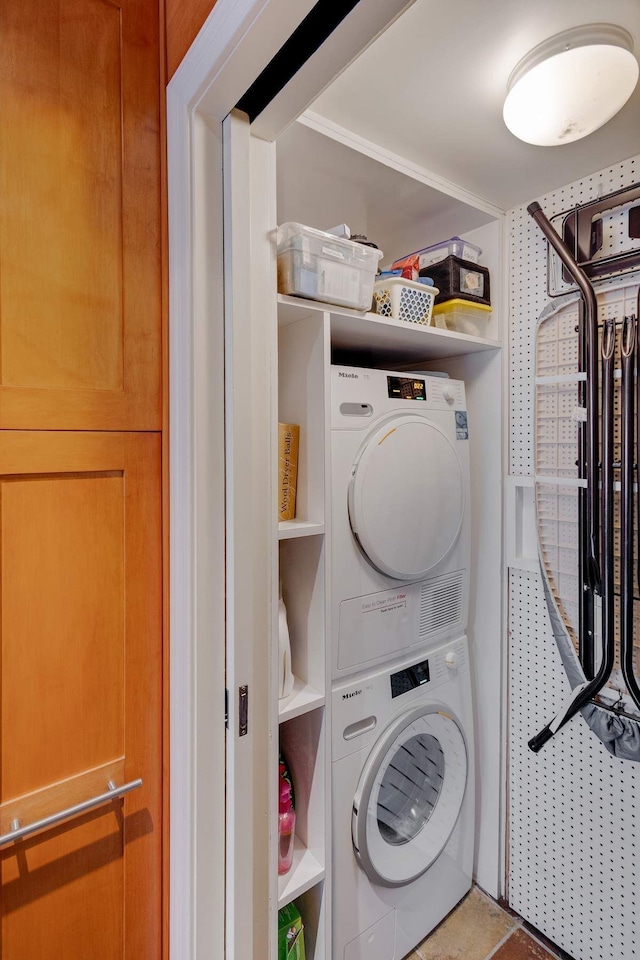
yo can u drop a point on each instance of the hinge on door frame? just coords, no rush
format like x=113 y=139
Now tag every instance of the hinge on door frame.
x=243 y=710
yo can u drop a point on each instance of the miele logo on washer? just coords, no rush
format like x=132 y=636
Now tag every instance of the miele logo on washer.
x=349 y=376
x=354 y=693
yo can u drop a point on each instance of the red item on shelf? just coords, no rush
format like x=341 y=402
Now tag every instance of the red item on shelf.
x=286 y=828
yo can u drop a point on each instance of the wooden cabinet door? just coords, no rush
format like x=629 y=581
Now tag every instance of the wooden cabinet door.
x=80 y=693
x=80 y=259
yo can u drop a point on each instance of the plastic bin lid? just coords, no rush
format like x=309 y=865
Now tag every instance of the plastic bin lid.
x=450 y=305
x=286 y=231
x=441 y=243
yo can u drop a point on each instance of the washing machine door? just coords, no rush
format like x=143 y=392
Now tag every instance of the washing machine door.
x=409 y=796
x=406 y=497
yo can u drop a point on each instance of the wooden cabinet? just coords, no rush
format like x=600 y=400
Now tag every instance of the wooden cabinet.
x=81 y=645
x=80 y=251
x=80 y=693
x=184 y=19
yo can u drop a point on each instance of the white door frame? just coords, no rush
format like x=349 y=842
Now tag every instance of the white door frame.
x=237 y=41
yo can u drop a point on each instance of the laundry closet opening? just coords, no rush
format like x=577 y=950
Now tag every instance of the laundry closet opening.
x=393 y=562
x=396 y=592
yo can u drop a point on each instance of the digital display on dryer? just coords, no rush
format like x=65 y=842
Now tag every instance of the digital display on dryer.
x=406 y=388
x=409 y=678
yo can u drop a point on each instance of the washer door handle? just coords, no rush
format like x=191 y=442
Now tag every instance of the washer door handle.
x=357 y=729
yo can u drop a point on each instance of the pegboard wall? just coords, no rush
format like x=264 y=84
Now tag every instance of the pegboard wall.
x=528 y=296
x=574 y=810
x=556 y=456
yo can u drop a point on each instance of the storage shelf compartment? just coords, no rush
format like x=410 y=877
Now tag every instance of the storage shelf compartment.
x=301 y=357
x=288 y=529
x=303 y=697
x=305 y=872
x=302 y=576
x=327 y=176
x=381 y=340
x=303 y=747
x=313 y=910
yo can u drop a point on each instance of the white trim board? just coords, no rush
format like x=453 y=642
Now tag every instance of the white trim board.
x=237 y=40
x=368 y=148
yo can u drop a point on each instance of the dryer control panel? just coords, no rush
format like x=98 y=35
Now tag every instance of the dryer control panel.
x=360 y=395
x=406 y=388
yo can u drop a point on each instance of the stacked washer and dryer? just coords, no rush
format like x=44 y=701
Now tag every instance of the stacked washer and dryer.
x=402 y=727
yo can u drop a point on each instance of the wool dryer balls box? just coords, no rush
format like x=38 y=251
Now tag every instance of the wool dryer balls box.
x=288 y=444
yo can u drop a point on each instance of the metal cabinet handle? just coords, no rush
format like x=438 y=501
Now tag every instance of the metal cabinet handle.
x=113 y=792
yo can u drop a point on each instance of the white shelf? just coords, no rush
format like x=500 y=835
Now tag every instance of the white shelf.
x=288 y=529
x=302 y=699
x=398 y=342
x=292 y=309
x=304 y=874
x=393 y=340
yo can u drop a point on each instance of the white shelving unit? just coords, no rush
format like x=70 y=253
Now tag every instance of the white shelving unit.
x=289 y=529
x=305 y=873
x=312 y=335
x=303 y=697
x=303 y=355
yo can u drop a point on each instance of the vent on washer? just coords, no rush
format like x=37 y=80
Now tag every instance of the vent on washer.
x=441 y=603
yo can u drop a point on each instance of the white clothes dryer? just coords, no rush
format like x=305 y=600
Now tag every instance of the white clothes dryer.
x=400 y=514
x=403 y=802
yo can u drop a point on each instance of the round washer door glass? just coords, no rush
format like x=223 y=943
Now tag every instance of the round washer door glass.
x=406 y=497
x=409 y=796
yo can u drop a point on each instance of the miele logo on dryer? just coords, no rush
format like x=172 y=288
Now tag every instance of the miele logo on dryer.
x=349 y=376
x=354 y=693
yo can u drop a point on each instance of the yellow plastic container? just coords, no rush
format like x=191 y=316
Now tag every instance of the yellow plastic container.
x=463 y=316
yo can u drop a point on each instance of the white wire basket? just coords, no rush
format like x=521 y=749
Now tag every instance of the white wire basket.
x=405 y=300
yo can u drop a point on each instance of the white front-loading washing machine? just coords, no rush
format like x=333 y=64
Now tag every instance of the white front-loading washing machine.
x=400 y=514
x=403 y=802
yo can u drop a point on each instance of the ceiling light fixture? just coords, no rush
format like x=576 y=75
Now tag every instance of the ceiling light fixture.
x=571 y=84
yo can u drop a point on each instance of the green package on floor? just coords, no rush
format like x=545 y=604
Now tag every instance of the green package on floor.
x=290 y=934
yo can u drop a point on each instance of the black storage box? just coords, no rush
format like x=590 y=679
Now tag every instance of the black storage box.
x=456 y=278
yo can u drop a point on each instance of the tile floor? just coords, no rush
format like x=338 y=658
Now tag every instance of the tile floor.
x=479 y=929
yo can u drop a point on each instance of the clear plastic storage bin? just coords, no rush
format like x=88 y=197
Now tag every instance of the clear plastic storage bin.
x=463 y=316
x=319 y=266
x=422 y=259
x=405 y=300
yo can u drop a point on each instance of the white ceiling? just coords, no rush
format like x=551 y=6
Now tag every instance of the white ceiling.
x=431 y=89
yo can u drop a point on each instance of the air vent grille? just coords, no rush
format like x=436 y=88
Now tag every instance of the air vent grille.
x=441 y=603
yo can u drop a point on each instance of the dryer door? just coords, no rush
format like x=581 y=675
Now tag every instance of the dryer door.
x=409 y=796
x=406 y=497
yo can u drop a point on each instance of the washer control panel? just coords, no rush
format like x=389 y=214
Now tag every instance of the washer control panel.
x=408 y=679
x=362 y=705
